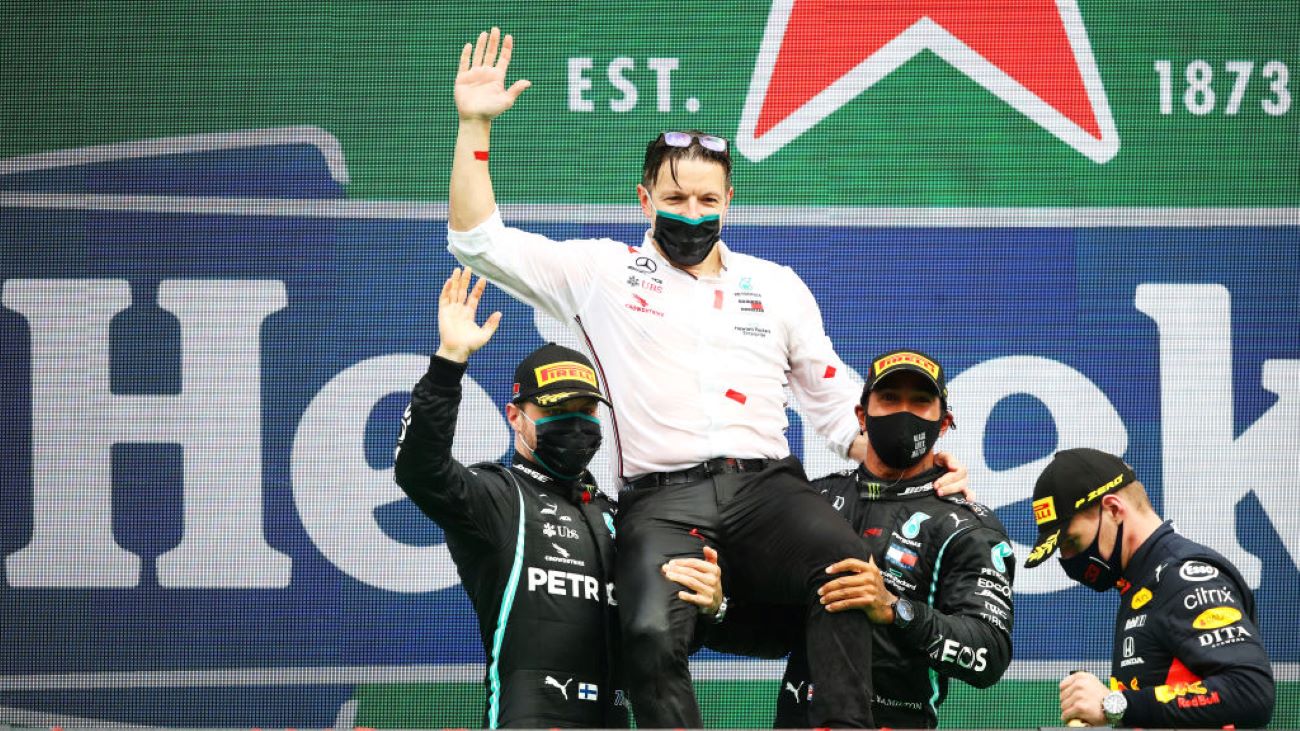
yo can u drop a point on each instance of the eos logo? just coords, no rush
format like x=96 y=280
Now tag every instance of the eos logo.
x=964 y=656
x=1197 y=571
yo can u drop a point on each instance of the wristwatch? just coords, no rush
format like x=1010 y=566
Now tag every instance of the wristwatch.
x=904 y=612
x=721 y=614
x=1113 y=706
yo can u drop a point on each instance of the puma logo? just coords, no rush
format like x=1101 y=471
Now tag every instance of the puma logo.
x=564 y=689
x=794 y=689
x=550 y=509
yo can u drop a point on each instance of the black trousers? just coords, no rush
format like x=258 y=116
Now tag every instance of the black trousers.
x=775 y=536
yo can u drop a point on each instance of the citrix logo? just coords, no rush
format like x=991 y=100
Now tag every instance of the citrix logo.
x=1202 y=596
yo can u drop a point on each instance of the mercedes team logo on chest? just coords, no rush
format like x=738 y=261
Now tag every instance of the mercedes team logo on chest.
x=818 y=55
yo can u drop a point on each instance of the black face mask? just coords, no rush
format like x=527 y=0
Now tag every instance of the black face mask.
x=566 y=443
x=686 y=241
x=901 y=439
x=1088 y=567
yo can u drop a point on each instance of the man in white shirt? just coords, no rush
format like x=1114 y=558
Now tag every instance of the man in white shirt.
x=694 y=343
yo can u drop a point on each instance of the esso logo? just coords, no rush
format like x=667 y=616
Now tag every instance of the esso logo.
x=1197 y=571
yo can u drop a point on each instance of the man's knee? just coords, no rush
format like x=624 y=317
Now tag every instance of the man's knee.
x=648 y=632
x=650 y=644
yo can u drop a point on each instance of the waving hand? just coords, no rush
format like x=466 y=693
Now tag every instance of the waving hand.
x=481 y=91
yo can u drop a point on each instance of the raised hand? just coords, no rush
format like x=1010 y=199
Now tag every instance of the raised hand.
x=459 y=335
x=480 y=91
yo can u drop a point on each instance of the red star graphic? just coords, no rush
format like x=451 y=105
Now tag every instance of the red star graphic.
x=817 y=55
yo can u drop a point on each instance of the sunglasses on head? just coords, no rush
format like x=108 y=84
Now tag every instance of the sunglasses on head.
x=683 y=139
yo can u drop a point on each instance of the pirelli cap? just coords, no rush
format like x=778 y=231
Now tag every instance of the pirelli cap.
x=553 y=374
x=1074 y=480
x=915 y=361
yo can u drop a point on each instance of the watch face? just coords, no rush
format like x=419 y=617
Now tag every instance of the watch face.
x=1114 y=704
x=904 y=610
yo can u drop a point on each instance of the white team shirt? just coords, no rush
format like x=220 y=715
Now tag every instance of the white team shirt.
x=695 y=368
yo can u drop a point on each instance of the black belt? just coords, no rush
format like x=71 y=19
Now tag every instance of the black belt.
x=715 y=466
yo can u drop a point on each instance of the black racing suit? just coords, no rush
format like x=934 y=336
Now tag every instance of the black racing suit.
x=536 y=558
x=949 y=557
x=1187 y=649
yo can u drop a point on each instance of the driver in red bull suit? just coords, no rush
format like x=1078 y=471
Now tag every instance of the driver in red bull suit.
x=1186 y=650
x=533 y=543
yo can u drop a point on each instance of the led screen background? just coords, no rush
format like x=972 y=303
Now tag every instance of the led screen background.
x=222 y=231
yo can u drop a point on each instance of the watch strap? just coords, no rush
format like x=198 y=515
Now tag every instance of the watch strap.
x=1116 y=717
x=721 y=614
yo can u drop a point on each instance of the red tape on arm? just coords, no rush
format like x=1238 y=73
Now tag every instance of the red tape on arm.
x=481 y=155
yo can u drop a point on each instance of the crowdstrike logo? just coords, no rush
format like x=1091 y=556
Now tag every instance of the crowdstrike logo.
x=818 y=55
